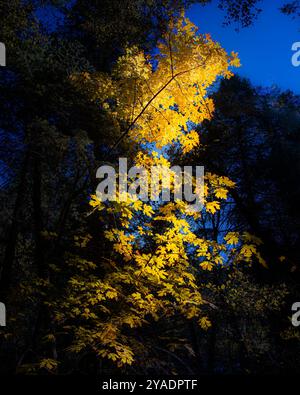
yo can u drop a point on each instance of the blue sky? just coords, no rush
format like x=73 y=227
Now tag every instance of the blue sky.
x=264 y=48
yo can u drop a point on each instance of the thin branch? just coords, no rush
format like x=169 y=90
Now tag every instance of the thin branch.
x=171 y=55
x=149 y=102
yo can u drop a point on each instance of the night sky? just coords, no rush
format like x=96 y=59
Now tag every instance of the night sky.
x=264 y=48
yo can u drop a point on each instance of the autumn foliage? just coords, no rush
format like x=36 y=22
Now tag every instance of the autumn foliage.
x=153 y=101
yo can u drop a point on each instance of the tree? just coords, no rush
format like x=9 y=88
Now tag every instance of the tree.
x=250 y=137
x=148 y=273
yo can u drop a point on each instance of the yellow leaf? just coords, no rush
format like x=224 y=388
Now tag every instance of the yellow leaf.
x=206 y=265
x=212 y=207
x=205 y=323
x=232 y=238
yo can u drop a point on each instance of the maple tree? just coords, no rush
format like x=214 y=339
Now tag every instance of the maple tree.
x=153 y=101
